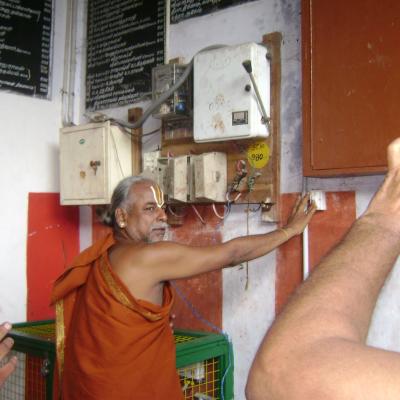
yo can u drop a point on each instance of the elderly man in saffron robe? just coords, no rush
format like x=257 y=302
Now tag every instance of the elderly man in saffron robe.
x=114 y=340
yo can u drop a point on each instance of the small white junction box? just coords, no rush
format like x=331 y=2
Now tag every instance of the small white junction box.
x=210 y=176
x=225 y=102
x=93 y=159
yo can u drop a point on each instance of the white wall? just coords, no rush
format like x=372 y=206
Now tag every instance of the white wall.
x=28 y=163
x=248 y=312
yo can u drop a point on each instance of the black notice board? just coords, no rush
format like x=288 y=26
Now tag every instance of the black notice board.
x=25 y=43
x=125 y=41
x=184 y=9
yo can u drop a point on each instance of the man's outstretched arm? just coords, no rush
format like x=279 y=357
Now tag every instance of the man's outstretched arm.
x=316 y=348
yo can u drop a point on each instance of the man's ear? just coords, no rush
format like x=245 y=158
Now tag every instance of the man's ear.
x=120 y=217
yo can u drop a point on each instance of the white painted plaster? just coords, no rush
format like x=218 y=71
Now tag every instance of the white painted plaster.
x=248 y=313
x=28 y=163
x=248 y=296
x=85 y=228
x=364 y=184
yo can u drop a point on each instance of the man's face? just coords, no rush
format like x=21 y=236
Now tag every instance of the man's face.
x=146 y=218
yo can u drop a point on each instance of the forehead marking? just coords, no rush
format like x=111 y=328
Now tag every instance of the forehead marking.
x=158 y=196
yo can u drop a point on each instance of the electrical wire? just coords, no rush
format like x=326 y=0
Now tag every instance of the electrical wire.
x=164 y=96
x=128 y=131
x=158 y=102
x=198 y=214
x=247 y=234
x=103 y=118
x=169 y=208
x=151 y=132
x=234 y=200
x=226 y=211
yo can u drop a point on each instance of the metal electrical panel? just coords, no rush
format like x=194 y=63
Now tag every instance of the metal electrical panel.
x=179 y=104
x=225 y=103
x=93 y=159
x=150 y=161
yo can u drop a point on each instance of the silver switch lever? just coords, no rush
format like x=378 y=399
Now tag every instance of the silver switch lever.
x=247 y=66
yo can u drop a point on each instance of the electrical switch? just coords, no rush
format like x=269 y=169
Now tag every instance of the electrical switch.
x=319 y=198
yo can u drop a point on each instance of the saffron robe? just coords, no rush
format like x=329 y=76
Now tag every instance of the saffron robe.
x=111 y=346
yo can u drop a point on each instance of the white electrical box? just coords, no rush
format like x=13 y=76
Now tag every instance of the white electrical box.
x=210 y=176
x=93 y=159
x=150 y=163
x=190 y=178
x=178 y=171
x=225 y=102
x=162 y=174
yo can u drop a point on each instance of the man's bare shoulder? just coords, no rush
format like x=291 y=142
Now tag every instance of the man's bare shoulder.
x=144 y=253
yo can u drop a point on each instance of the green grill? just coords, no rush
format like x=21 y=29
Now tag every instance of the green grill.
x=204 y=363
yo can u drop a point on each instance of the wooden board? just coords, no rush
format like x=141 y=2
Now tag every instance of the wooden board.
x=266 y=188
x=135 y=114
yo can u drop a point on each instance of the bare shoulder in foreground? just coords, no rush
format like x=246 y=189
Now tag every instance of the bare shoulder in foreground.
x=316 y=347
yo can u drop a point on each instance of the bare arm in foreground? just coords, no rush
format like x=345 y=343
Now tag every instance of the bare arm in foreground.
x=316 y=347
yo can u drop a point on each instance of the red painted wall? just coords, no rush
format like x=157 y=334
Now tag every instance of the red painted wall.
x=53 y=241
x=204 y=291
x=325 y=231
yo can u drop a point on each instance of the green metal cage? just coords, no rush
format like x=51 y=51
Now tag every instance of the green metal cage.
x=204 y=363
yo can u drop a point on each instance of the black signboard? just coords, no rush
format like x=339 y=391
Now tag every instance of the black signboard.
x=25 y=43
x=125 y=41
x=184 y=9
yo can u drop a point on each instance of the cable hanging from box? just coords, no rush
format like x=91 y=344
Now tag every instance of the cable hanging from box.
x=198 y=214
x=164 y=96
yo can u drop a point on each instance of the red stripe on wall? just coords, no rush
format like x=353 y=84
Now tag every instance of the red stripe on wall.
x=288 y=258
x=325 y=231
x=53 y=241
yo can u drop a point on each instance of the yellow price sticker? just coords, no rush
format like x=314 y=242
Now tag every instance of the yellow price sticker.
x=258 y=154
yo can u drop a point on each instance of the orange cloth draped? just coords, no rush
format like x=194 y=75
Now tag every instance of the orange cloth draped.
x=111 y=346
